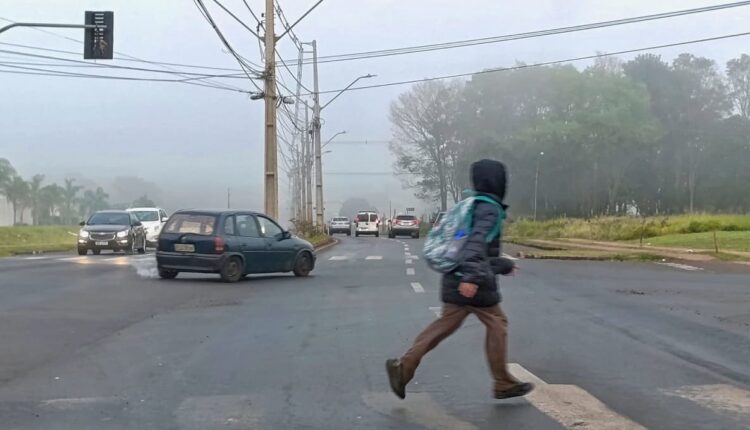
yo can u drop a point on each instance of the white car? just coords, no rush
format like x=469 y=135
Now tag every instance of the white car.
x=153 y=219
x=367 y=222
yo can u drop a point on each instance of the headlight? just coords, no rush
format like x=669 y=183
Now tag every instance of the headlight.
x=123 y=233
x=83 y=234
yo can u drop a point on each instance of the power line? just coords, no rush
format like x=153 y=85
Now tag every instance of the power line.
x=546 y=63
x=519 y=36
x=241 y=22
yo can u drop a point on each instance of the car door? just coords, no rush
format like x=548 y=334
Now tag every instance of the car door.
x=251 y=244
x=281 y=250
x=136 y=226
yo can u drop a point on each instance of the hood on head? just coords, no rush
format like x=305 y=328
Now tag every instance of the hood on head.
x=489 y=176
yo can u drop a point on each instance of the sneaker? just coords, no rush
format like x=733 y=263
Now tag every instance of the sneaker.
x=393 y=367
x=518 y=390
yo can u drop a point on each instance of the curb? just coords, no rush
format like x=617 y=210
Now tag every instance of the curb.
x=326 y=246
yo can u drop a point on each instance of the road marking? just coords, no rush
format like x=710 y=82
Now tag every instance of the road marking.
x=571 y=406
x=409 y=261
x=407 y=254
x=682 y=266
x=719 y=398
x=410 y=271
x=417 y=408
x=437 y=310
x=77 y=402
x=374 y=257
x=75 y=259
x=417 y=287
x=36 y=258
x=232 y=412
x=338 y=258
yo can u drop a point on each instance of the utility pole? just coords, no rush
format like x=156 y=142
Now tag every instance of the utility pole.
x=536 y=182
x=229 y=198
x=308 y=169
x=271 y=204
x=319 y=219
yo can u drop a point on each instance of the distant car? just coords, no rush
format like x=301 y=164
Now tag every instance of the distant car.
x=367 y=223
x=153 y=219
x=404 y=225
x=113 y=230
x=340 y=224
x=231 y=243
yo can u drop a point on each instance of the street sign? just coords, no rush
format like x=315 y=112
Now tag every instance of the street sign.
x=98 y=41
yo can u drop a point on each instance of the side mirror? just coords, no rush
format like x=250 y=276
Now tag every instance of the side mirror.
x=137 y=223
x=82 y=223
x=284 y=235
x=164 y=219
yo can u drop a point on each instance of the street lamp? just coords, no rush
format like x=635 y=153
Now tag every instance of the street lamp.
x=367 y=76
x=536 y=182
x=333 y=137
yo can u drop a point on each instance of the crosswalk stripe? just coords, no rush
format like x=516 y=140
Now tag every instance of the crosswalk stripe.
x=374 y=257
x=36 y=258
x=571 y=406
x=338 y=258
x=720 y=398
x=417 y=408
x=410 y=271
x=409 y=261
x=510 y=257
x=437 y=310
x=417 y=287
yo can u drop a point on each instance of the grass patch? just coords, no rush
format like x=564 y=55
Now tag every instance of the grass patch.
x=728 y=240
x=29 y=239
x=318 y=239
x=627 y=228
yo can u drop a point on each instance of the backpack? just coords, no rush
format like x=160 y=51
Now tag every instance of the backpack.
x=446 y=240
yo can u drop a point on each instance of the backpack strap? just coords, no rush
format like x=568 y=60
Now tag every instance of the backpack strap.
x=495 y=232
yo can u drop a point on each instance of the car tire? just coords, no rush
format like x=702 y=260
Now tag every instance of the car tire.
x=96 y=251
x=377 y=234
x=232 y=270
x=168 y=274
x=142 y=249
x=303 y=265
x=83 y=251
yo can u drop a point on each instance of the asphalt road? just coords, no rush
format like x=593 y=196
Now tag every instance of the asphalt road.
x=99 y=343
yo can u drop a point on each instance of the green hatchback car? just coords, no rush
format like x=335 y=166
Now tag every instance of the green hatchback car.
x=232 y=243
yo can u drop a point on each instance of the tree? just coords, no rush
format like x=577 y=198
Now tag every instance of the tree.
x=738 y=80
x=351 y=206
x=6 y=171
x=425 y=139
x=35 y=197
x=70 y=211
x=93 y=201
x=143 y=201
x=16 y=190
x=52 y=201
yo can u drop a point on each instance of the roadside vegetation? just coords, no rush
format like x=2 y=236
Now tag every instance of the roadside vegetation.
x=28 y=239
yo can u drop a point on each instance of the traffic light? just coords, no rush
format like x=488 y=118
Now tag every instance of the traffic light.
x=98 y=42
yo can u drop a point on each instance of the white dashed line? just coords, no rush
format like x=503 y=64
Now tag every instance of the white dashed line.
x=682 y=266
x=36 y=258
x=410 y=271
x=374 y=257
x=338 y=258
x=417 y=287
x=409 y=261
x=437 y=310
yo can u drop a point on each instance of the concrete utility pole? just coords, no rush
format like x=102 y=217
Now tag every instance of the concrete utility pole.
x=536 y=182
x=271 y=204
x=308 y=169
x=319 y=218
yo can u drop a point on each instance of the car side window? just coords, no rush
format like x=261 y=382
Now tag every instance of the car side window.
x=246 y=226
x=229 y=225
x=268 y=227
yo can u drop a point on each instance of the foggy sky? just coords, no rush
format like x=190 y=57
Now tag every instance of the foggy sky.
x=195 y=142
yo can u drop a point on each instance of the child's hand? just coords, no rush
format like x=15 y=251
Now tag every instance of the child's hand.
x=468 y=290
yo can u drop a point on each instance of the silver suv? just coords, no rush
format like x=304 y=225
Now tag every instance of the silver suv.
x=340 y=224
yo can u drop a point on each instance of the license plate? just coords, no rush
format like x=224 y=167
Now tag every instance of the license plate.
x=102 y=243
x=181 y=247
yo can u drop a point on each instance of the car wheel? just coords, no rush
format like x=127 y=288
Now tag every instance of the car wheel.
x=232 y=270
x=82 y=251
x=142 y=249
x=377 y=234
x=96 y=251
x=303 y=265
x=167 y=274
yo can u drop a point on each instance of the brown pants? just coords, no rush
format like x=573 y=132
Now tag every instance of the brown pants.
x=452 y=316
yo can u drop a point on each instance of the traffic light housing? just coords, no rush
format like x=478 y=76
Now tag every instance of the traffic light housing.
x=98 y=42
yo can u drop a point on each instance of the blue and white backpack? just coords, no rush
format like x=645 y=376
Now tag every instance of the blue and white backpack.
x=446 y=239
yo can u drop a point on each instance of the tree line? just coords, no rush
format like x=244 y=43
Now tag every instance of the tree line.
x=52 y=204
x=644 y=136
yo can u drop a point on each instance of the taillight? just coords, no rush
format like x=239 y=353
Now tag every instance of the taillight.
x=219 y=245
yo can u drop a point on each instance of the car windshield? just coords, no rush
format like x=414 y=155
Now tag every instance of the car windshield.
x=147 y=215
x=109 y=218
x=191 y=223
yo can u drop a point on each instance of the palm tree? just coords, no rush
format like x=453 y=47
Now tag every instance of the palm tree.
x=16 y=190
x=6 y=171
x=35 y=197
x=51 y=203
x=94 y=201
x=70 y=199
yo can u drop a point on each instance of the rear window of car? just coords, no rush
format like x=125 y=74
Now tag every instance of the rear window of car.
x=191 y=223
x=341 y=219
x=406 y=217
x=373 y=217
x=362 y=217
